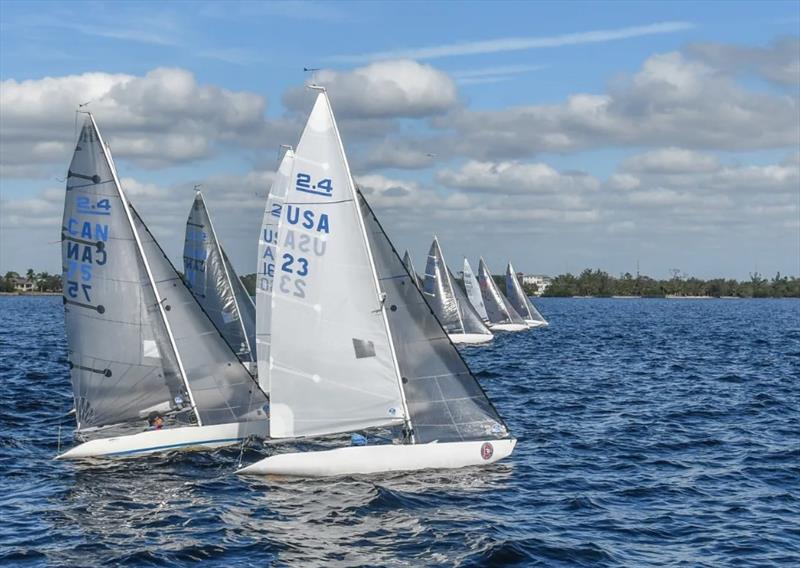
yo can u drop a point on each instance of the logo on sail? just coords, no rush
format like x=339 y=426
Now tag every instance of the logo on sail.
x=487 y=450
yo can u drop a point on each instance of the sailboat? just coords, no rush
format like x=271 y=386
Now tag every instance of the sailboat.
x=502 y=315
x=411 y=270
x=216 y=287
x=520 y=301
x=359 y=348
x=474 y=292
x=265 y=271
x=455 y=313
x=141 y=350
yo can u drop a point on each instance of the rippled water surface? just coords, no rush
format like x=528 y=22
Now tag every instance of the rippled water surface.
x=651 y=432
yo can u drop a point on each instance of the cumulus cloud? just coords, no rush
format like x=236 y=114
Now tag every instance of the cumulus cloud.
x=673 y=100
x=514 y=177
x=386 y=89
x=778 y=62
x=160 y=118
x=671 y=160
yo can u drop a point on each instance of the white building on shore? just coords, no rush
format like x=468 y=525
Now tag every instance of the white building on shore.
x=539 y=280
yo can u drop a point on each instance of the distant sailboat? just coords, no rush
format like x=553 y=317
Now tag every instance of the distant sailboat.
x=139 y=344
x=520 y=301
x=358 y=346
x=474 y=292
x=214 y=283
x=502 y=315
x=454 y=311
x=265 y=271
x=411 y=270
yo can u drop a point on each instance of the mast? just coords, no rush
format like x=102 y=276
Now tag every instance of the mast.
x=227 y=277
x=381 y=297
x=159 y=300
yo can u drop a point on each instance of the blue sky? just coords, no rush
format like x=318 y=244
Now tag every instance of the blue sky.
x=606 y=164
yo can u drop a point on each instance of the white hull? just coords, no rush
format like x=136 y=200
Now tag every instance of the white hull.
x=186 y=438
x=535 y=323
x=470 y=338
x=385 y=458
x=508 y=327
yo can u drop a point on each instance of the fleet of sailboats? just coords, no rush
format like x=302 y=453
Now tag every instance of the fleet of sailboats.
x=344 y=337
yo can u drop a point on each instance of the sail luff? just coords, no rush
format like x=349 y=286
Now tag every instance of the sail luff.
x=228 y=278
x=148 y=271
x=378 y=294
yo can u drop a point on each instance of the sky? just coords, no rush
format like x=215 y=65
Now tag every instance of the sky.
x=559 y=136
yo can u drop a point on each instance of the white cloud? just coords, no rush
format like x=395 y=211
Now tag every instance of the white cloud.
x=514 y=178
x=671 y=160
x=778 y=62
x=386 y=89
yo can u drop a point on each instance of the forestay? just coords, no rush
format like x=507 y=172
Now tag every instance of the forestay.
x=214 y=283
x=121 y=362
x=438 y=290
x=222 y=389
x=474 y=291
x=332 y=368
x=444 y=399
x=519 y=300
x=498 y=308
x=265 y=273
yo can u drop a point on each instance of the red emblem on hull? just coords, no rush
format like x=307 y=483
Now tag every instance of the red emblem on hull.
x=486 y=450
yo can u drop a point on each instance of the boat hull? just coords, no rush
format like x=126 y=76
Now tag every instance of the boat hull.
x=470 y=338
x=355 y=460
x=508 y=327
x=152 y=441
x=536 y=323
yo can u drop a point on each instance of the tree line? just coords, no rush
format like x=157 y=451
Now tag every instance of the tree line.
x=42 y=281
x=600 y=283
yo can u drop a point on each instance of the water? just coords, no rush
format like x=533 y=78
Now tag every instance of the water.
x=652 y=432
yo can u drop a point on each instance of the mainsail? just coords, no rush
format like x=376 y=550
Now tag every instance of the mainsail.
x=409 y=264
x=438 y=290
x=520 y=301
x=138 y=341
x=265 y=273
x=444 y=399
x=469 y=317
x=121 y=362
x=474 y=291
x=332 y=366
x=498 y=307
x=214 y=283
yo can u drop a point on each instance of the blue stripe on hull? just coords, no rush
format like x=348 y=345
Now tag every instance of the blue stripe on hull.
x=171 y=446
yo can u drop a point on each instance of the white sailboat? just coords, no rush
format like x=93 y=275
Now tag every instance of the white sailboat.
x=409 y=264
x=520 y=301
x=359 y=347
x=474 y=292
x=141 y=350
x=455 y=313
x=502 y=315
x=216 y=286
x=265 y=271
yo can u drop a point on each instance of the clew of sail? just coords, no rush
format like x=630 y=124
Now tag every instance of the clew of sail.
x=519 y=300
x=438 y=290
x=332 y=367
x=214 y=283
x=474 y=291
x=498 y=307
x=121 y=362
x=444 y=399
x=265 y=273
